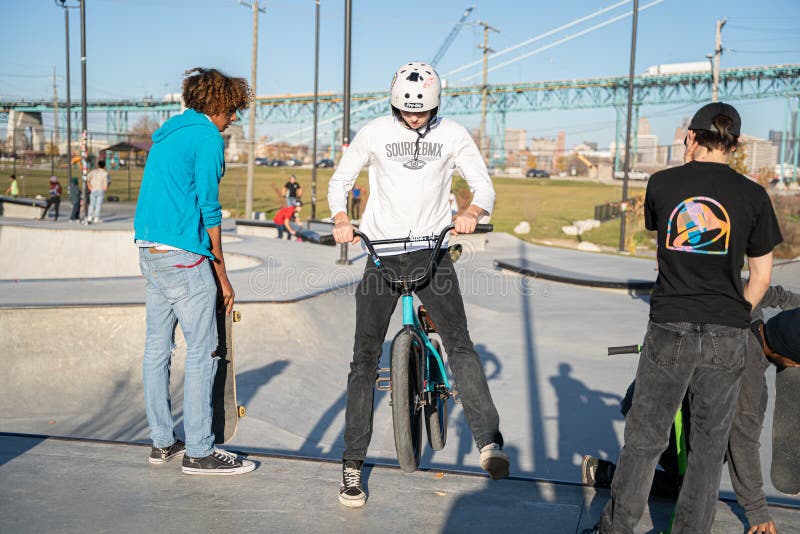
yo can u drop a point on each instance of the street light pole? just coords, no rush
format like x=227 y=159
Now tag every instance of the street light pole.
x=251 y=126
x=316 y=111
x=84 y=121
x=485 y=87
x=348 y=15
x=626 y=165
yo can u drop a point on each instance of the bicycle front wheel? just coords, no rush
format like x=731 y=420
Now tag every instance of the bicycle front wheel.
x=406 y=419
x=436 y=408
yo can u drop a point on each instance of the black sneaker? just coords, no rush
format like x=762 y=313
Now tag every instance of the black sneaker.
x=218 y=462
x=159 y=455
x=596 y=472
x=351 y=494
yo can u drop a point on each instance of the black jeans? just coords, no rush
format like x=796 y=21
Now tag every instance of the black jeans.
x=706 y=360
x=50 y=201
x=375 y=302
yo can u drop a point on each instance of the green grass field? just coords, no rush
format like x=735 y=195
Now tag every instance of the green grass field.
x=546 y=204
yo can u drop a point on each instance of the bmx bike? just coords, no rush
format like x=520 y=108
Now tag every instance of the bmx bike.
x=416 y=376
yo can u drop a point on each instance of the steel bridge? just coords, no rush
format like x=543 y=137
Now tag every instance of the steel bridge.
x=744 y=83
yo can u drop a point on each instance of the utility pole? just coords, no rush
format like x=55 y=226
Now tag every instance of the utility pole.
x=55 y=141
x=485 y=86
x=251 y=126
x=316 y=112
x=626 y=165
x=717 y=54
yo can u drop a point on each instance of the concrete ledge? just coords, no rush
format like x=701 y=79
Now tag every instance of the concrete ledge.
x=23 y=208
x=537 y=270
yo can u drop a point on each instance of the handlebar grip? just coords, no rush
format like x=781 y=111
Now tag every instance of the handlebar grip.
x=627 y=349
x=327 y=240
x=484 y=228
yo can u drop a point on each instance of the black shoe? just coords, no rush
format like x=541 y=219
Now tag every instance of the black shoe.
x=351 y=494
x=159 y=455
x=218 y=462
x=594 y=530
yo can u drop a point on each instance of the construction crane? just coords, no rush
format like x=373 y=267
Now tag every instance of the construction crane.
x=451 y=36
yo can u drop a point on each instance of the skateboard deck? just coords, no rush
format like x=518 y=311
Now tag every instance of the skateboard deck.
x=226 y=411
x=785 y=471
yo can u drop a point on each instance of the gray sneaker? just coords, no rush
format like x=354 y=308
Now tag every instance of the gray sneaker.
x=494 y=461
x=351 y=493
x=159 y=455
x=219 y=462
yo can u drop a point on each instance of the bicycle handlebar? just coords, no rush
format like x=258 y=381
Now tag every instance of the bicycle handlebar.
x=439 y=239
x=626 y=349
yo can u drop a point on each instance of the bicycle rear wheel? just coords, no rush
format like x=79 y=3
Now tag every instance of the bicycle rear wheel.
x=436 y=409
x=406 y=418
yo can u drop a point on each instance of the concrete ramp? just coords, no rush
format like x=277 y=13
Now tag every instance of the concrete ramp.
x=57 y=253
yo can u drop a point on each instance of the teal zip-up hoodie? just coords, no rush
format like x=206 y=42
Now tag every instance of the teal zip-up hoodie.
x=179 y=195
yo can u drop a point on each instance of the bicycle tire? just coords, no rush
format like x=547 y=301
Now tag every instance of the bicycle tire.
x=406 y=418
x=436 y=410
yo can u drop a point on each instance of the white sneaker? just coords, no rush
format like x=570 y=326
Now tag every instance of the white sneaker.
x=96 y=220
x=494 y=461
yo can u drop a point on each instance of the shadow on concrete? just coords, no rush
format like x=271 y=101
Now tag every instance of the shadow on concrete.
x=249 y=382
x=585 y=420
x=12 y=448
x=313 y=446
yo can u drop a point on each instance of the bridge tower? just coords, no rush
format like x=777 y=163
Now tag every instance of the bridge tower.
x=25 y=131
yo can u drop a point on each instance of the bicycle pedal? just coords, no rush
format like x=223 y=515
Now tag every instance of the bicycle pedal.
x=384 y=380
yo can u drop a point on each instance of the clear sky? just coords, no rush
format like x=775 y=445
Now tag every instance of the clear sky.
x=139 y=48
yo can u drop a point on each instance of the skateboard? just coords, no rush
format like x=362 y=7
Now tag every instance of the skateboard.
x=226 y=412
x=785 y=471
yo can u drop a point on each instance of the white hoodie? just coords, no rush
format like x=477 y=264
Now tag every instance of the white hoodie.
x=408 y=195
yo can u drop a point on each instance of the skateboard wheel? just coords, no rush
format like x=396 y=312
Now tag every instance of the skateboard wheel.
x=237 y=316
x=242 y=411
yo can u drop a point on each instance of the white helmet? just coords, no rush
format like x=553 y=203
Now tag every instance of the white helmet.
x=415 y=87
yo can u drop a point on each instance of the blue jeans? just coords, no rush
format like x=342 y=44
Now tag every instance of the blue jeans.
x=179 y=291
x=290 y=201
x=707 y=361
x=95 y=202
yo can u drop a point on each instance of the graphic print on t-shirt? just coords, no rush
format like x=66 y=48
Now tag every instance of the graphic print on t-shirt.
x=414 y=155
x=699 y=225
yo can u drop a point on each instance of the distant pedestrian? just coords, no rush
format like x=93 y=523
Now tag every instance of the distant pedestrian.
x=13 y=187
x=355 y=202
x=288 y=220
x=97 y=182
x=54 y=198
x=292 y=191
x=75 y=199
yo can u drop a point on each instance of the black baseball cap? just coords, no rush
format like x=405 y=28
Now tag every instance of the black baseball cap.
x=783 y=334
x=704 y=118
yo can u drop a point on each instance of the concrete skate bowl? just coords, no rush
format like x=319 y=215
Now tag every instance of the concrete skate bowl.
x=83 y=378
x=52 y=253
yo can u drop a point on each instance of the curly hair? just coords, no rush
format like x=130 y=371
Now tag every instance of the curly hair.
x=212 y=92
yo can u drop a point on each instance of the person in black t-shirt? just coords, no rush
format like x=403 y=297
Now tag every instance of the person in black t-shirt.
x=292 y=191
x=708 y=217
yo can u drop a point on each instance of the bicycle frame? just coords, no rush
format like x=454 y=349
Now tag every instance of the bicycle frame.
x=412 y=325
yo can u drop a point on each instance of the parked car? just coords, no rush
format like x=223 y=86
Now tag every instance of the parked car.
x=293 y=162
x=325 y=163
x=277 y=163
x=537 y=173
x=261 y=162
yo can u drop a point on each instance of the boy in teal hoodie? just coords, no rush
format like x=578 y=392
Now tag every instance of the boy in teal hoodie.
x=177 y=230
